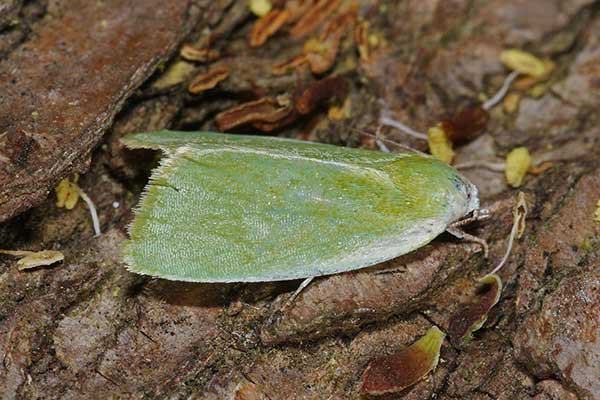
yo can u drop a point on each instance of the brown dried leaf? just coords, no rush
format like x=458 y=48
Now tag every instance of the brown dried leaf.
x=288 y=66
x=319 y=92
x=266 y=110
x=267 y=26
x=394 y=373
x=472 y=316
x=466 y=125
x=205 y=54
x=314 y=17
x=208 y=80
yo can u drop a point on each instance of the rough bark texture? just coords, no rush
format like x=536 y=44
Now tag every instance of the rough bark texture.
x=74 y=78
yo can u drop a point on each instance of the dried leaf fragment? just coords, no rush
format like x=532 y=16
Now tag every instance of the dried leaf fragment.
x=471 y=317
x=519 y=213
x=267 y=26
x=32 y=259
x=439 y=144
x=466 y=124
x=267 y=110
x=67 y=193
x=526 y=63
x=208 y=80
x=318 y=13
x=260 y=7
x=391 y=374
x=321 y=91
x=518 y=161
x=205 y=54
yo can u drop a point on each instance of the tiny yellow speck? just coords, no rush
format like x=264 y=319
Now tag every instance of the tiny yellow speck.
x=597 y=213
x=526 y=63
x=175 y=74
x=511 y=102
x=518 y=162
x=439 y=144
x=337 y=113
x=67 y=193
x=260 y=7
x=314 y=46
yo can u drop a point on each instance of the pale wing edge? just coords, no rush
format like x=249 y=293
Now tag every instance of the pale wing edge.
x=386 y=249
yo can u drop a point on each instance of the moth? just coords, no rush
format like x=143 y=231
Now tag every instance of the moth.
x=241 y=208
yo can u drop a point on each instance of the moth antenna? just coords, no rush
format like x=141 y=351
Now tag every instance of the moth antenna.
x=385 y=140
x=497 y=98
x=387 y=121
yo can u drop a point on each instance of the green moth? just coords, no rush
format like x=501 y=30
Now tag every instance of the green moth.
x=240 y=208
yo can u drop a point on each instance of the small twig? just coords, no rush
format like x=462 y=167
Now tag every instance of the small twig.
x=92 y=208
x=519 y=214
x=497 y=98
x=493 y=166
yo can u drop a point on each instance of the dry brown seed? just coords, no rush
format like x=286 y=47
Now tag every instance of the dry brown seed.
x=266 y=110
x=208 y=80
x=191 y=53
x=321 y=54
x=314 y=17
x=267 y=26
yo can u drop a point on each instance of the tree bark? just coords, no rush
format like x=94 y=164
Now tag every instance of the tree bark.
x=75 y=76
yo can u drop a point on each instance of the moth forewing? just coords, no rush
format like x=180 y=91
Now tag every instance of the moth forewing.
x=227 y=208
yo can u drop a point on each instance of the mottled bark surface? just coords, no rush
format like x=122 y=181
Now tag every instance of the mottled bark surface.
x=76 y=75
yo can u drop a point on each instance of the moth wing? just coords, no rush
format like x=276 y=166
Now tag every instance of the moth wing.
x=243 y=214
x=170 y=141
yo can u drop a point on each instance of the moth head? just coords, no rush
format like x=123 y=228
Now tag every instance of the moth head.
x=467 y=200
x=472 y=195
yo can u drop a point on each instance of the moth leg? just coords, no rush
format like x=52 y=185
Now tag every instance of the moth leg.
x=454 y=231
x=478 y=215
x=304 y=284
